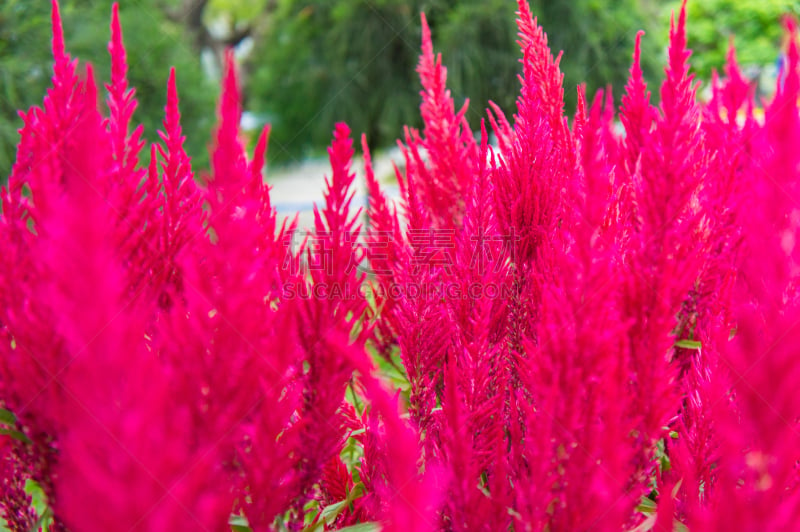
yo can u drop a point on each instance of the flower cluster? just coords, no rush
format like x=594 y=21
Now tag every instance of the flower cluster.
x=568 y=328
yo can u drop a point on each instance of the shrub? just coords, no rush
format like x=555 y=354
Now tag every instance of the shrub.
x=573 y=329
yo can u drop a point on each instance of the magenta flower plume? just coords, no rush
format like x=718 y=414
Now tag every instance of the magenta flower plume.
x=445 y=177
x=407 y=497
x=135 y=206
x=33 y=351
x=336 y=232
x=533 y=170
x=180 y=217
x=228 y=159
x=572 y=329
x=542 y=76
x=667 y=248
x=597 y=148
x=384 y=241
x=15 y=504
x=328 y=328
x=637 y=114
x=474 y=373
x=121 y=103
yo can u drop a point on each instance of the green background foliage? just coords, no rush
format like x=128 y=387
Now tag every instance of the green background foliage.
x=597 y=38
x=355 y=60
x=306 y=64
x=755 y=24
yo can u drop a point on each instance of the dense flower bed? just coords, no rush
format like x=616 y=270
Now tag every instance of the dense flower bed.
x=574 y=329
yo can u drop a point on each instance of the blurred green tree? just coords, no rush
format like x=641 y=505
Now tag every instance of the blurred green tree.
x=154 y=43
x=329 y=60
x=597 y=38
x=754 y=25
x=310 y=63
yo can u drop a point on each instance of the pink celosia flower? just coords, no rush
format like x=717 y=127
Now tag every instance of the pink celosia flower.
x=558 y=304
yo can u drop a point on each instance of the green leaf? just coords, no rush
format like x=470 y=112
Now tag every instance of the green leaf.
x=239 y=523
x=677 y=526
x=7 y=417
x=647 y=506
x=17 y=435
x=646 y=525
x=688 y=344
x=362 y=527
x=39 y=503
x=676 y=488
x=332 y=511
x=40 y=523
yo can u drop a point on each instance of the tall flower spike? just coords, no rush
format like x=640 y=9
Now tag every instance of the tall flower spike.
x=737 y=90
x=122 y=103
x=448 y=140
x=59 y=53
x=670 y=247
x=383 y=244
x=329 y=328
x=668 y=195
x=337 y=229
x=177 y=172
x=595 y=169
x=44 y=128
x=228 y=159
x=542 y=74
x=677 y=92
x=135 y=207
x=472 y=394
x=180 y=216
x=636 y=114
x=410 y=499
x=176 y=167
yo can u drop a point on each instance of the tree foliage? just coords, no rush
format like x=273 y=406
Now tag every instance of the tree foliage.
x=597 y=37
x=324 y=60
x=753 y=23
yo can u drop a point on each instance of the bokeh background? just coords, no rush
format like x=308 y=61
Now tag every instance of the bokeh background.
x=307 y=64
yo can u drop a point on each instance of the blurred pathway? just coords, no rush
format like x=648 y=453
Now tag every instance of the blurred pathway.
x=296 y=188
